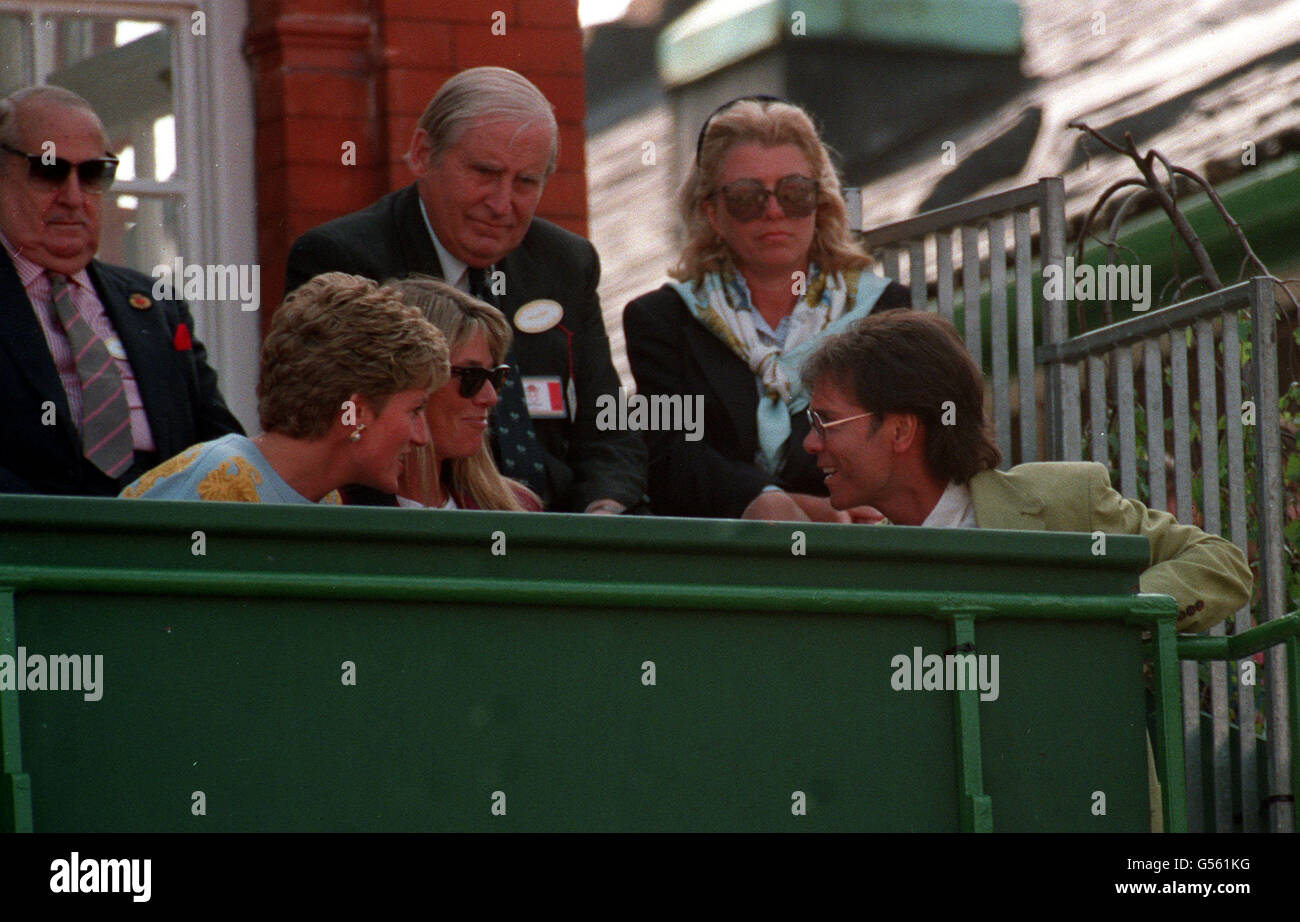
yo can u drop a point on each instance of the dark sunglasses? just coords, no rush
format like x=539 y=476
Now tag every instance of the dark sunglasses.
x=95 y=176
x=473 y=377
x=746 y=199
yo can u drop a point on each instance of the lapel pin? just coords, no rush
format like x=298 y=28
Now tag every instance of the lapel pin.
x=139 y=302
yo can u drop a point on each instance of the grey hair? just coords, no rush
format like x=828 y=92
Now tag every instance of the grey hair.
x=486 y=91
x=50 y=95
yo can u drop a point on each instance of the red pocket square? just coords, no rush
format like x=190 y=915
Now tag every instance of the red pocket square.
x=181 y=341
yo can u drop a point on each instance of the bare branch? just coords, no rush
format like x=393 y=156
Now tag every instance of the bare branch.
x=1084 y=126
x=1195 y=278
x=1180 y=222
x=1100 y=203
x=1233 y=226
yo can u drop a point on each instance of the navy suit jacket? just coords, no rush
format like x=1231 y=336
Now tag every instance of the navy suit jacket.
x=177 y=386
x=673 y=353
x=389 y=239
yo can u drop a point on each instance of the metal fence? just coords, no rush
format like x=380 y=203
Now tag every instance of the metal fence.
x=1131 y=375
x=919 y=253
x=1223 y=484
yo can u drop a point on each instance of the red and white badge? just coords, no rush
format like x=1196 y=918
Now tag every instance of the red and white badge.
x=545 y=396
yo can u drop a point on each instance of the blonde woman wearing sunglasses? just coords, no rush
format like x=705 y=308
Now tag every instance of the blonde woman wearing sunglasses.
x=769 y=268
x=455 y=470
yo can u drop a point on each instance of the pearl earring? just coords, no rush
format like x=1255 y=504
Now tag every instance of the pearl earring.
x=356 y=433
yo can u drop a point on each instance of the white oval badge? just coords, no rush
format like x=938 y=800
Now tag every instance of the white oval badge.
x=538 y=316
x=115 y=347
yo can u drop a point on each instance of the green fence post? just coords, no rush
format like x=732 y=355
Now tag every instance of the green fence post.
x=1169 y=730
x=1293 y=696
x=976 y=806
x=15 y=786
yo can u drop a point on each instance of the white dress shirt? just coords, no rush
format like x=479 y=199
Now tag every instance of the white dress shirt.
x=953 y=510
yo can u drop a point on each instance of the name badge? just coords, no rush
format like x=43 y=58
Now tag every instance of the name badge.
x=545 y=397
x=115 y=347
x=538 y=316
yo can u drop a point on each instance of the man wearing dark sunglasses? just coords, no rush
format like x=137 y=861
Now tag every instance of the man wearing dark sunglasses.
x=481 y=154
x=100 y=380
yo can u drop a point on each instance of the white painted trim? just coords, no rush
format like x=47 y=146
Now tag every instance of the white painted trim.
x=227 y=202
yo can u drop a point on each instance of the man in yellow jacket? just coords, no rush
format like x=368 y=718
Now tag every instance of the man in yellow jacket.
x=897 y=423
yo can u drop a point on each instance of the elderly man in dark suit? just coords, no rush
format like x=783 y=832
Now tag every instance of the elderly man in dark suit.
x=481 y=155
x=101 y=381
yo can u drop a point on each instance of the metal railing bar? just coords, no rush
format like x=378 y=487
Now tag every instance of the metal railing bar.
x=1139 y=608
x=941 y=218
x=1027 y=371
x=998 y=338
x=1135 y=329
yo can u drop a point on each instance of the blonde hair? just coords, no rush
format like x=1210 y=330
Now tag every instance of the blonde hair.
x=460 y=317
x=769 y=124
x=339 y=335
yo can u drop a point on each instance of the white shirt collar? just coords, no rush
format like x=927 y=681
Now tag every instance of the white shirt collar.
x=453 y=270
x=953 y=510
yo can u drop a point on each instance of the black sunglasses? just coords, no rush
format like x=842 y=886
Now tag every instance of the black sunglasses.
x=704 y=129
x=473 y=377
x=746 y=199
x=95 y=176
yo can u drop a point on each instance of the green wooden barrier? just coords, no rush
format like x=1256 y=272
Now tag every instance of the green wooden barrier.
x=517 y=672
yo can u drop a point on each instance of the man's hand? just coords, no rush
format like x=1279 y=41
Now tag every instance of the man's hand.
x=819 y=508
x=779 y=506
x=774 y=506
x=605 y=507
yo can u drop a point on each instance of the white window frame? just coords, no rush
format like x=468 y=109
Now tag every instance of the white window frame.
x=212 y=96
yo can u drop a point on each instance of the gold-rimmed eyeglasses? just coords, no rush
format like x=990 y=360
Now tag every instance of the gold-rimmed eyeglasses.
x=820 y=425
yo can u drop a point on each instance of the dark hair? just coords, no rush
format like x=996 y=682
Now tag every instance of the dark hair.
x=914 y=362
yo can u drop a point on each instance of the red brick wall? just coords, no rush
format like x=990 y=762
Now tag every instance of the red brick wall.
x=328 y=72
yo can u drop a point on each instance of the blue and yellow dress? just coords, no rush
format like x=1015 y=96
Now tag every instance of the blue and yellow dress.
x=228 y=469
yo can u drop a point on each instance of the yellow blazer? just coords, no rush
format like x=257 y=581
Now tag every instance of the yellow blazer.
x=1208 y=576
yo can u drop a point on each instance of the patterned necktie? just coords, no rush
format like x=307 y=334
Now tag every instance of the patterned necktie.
x=105 y=415
x=517 y=447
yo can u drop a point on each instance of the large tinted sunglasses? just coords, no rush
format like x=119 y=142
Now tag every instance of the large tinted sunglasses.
x=473 y=377
x=746 y=199
x=95 y=176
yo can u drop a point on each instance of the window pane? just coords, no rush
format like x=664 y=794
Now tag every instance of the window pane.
x=15 y=53
x=140 y=231
x=124 y=68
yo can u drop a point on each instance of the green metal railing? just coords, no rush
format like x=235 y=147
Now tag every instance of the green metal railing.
x=513 y=672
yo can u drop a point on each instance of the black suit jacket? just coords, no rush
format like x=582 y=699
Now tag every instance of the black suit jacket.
x=177 y=386
x=672 y=353
x=389 y=240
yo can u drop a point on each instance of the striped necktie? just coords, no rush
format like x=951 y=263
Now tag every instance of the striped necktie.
x=105 y=415
x=519 y=452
